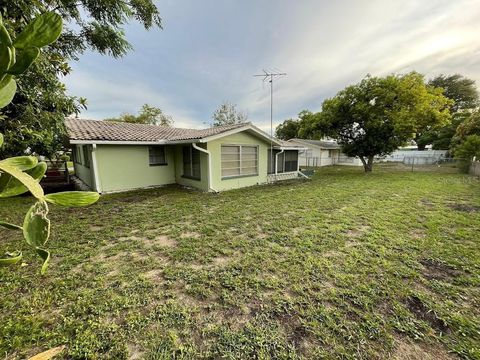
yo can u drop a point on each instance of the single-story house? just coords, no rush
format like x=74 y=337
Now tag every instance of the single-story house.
x=115 y=156
x=322 y=153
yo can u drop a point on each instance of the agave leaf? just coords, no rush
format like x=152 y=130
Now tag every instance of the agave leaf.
x=11 y=258
x=44 y=30
x=5 y=79
x=10 y=186
x=7 y=93
x=24 y=60
x=45 y=255
x=47 y=355
x=21 y=162
x=10 y=226
x=1 y=140
x=73 y=198
x=36 y=225
x=30 y=183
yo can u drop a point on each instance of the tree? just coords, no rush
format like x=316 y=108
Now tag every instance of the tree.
x=467 y=150
x=465 y=98
x=149 y=115
x=227 y=114
x=377 y=115
x=288 y=129
x=35 y=118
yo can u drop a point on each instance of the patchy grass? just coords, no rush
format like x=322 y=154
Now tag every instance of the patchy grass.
x=346 y=265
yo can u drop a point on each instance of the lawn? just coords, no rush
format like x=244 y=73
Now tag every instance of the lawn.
x=345 y=265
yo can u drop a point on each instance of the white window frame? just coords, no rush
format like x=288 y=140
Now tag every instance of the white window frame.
x=85 y=156
x=240 y=146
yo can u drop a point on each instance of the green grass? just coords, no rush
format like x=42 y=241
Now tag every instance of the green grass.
x=346 y=265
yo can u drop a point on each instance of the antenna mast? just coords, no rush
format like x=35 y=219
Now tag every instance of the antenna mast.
x=270 y=76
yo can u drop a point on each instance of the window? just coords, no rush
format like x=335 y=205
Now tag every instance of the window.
x=191 y=162
x=156 y=155
x=239 y=160
x=285 y=161
x=86 y=157
x=77 y=157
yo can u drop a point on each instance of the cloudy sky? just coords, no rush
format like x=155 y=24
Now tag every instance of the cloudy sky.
x=209 y=50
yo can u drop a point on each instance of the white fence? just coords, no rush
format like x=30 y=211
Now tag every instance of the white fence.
x=431 y=156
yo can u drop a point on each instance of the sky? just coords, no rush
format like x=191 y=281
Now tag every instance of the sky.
x=209 y=50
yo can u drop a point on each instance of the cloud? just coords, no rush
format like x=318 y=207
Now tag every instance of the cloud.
x=209 y=51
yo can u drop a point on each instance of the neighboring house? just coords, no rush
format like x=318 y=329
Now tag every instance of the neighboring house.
x=322 y=153
x=114 y=156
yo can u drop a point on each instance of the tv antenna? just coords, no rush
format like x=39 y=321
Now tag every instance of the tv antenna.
x=270 y=76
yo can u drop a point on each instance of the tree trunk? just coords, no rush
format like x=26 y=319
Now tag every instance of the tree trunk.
x=367 y=164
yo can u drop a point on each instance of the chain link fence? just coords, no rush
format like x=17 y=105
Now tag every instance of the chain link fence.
x=433 y=164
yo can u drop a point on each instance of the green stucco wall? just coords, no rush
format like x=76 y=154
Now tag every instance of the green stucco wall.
x=125 y=167
x=243 y=138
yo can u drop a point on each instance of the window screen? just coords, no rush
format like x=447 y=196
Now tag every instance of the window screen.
x=156 y=155
x=239 y=160
x=191 y=162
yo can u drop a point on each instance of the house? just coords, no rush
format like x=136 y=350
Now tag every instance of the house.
x=322 y=153
x=115 y=156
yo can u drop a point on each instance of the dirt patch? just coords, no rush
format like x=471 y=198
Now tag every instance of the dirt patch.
x=427 y=203
x=418 y=308
x=435 y=270
x=406 y=349
x=358 y=231
x=417 y=234
x=155 y=275
x=134 y=352
x=191 y=235
x=464 y=207
x=96 y=228
x=164 y=241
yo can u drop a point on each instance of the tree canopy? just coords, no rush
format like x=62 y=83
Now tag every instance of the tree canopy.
x=149 y=115
x=464 y=95
x=377 y=115
x=227 y=114
x=35 y=118
x=288 y=129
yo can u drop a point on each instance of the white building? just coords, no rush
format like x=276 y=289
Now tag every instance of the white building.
x=322 y=153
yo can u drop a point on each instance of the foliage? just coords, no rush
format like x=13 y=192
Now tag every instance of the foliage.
x=465 y=98
x=227 y=114
x=307 y=279
x=287 y=129
x=377 y=115
x=21 y=174
x=468 y=149
x=35 y=118
x=470 y=126
x=149 y=115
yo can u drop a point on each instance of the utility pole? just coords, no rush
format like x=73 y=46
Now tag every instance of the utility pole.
x=270 y=76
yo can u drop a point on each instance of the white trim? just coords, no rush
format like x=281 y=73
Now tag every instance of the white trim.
x=98 y=185
x=195 y=146
x=251 y=127
x=106 y=142
x=301 y=141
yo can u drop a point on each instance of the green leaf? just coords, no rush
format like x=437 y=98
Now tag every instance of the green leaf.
x=36 y=225
x=45 y=255
x=11 y=258
x=7 y=93
x=5 y=57
x=30 y=183
x=9 y=186
x=10 y=226
x=73 y=198
x=44 y=30
x=4 y=36
x=21 y=162
x=1 y=140
x=24 y=60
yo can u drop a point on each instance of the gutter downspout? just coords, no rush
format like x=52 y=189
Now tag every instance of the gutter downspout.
x=98 y=186
x=195 y=146
x=276 y=163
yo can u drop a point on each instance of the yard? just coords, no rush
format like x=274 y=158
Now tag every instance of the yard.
x=346 y=265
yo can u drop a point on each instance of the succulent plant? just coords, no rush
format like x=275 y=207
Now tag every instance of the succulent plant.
x=21 y=174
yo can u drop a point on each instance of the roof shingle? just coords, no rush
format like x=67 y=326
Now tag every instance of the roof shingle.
x=81 y=129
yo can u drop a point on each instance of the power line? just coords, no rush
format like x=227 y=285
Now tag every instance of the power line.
x=270 y=76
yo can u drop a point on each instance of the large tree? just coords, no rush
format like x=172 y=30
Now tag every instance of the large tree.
x=227 y=114
x=465 y=98
x=35 y=118
x=149 y=115
x=292 y=128
x=377 y=115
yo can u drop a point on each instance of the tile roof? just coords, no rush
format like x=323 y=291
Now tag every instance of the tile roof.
x=320 y=143
x=81 y=129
